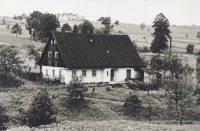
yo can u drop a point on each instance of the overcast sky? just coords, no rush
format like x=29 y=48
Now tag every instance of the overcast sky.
x=178 y=12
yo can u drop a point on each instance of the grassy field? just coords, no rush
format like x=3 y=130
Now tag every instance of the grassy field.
x=102 y=111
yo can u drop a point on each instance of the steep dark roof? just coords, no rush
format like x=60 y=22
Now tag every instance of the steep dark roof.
x=92 y=51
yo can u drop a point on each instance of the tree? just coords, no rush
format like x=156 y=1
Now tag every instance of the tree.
x=161 y=33
x=41 y=110
x=34 y=53
x=3 y=21
x=132 y=105
x=20 y=17
x=15 y=17
x=75 y=29
x=178 y=89
x=16 y=29
x=49 y=22
x=156 y=63
x=86 y=27
x=11 y=66
x=33 y=22
x=105 y=21
x=178 y=94
x=3 y=116
x=190 y=48
x=142 y=26
x=24 y=16
x=76 y=87
x=198 y=73
x=66 y=27
x=115 y=24
x=198 y=36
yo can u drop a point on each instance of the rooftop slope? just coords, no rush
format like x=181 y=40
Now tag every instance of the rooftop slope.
x=98 y=51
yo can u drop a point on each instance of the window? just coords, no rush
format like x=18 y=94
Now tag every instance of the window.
x=107 y=73
x=49 y=54
x=53 y=71
x=94 y=73
x=46 y=72
x=84 y=72
x=56 y=54
x=74 y=73
x=49 y=58
x=60 y=73
x=51 y=41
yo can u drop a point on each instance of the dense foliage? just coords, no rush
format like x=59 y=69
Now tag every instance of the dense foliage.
x=41 y=110
x=3 y=117
x=86 y=27
x=11 y=65
x=16 y=29
x=66 y=27
x=132 y=105
x=75 y=29
x=161 y=33
x=190 y=48
x=76 y=87
x=41 y=25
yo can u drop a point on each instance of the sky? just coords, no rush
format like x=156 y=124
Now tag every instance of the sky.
x=178 y=12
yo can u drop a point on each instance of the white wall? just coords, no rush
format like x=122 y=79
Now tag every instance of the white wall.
x=101 y=74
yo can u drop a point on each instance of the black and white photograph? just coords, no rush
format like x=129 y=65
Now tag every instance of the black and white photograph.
x=99 y=65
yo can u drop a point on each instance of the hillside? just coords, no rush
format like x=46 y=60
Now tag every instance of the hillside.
x=142 y=37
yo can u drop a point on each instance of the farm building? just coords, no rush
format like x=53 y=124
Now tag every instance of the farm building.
x=97 y=58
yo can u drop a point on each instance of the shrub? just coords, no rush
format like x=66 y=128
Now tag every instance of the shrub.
x=198 y=53
x=190 y=48
x=135 y=45
x=132 y=105
x=41 y=110
x=132 y=86
x=144 y=49
x=8 y=27
x=121 y=32
x=108 y=88
x=198 y=101
x=76 y=87
x=3 y=117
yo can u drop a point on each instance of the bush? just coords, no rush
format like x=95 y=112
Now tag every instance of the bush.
x=198 y=101
x=3 y=117
x=135 y=45
x=108 y=88
x=121 y=32
x=8 y=27
x=132 y=86
x=144 y=49
x=76 y=87
x=132 y=105
x=41 y=110
x=190 y=48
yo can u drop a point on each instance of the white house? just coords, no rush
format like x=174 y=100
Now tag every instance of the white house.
x=98 y=58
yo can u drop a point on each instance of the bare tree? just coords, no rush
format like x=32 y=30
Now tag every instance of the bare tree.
x=178 y=91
